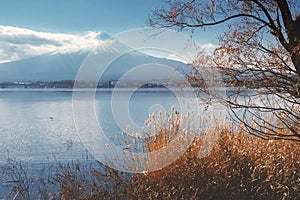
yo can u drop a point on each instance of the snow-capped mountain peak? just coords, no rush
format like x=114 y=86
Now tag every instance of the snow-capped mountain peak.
x=58 y=56
x=97 y=35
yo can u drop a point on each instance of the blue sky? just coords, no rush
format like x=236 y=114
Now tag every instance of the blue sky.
x=32 y=27
x=111 y=16
x=73 y=16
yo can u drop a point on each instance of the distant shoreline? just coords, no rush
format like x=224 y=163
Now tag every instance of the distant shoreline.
x=83 y=84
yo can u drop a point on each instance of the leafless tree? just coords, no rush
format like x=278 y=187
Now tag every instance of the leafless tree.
x=258 y=50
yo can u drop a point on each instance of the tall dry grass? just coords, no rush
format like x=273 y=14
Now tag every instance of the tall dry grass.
x=237 y=166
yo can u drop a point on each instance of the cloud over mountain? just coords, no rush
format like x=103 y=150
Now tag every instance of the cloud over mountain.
x=52 y=57
x=20 y=43
x=27 y=54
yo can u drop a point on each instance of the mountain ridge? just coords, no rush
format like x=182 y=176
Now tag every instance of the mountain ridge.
x=64 y=64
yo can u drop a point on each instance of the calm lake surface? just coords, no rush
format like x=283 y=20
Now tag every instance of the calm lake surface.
x=37 y=126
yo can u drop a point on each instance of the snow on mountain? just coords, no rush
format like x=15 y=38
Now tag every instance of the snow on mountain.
x=98 y=35
x=63 y=64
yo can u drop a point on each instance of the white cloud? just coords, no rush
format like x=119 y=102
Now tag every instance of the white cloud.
x=20 y=43
x=186 y=56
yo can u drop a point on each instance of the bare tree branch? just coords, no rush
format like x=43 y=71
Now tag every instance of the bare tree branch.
x=259 y=51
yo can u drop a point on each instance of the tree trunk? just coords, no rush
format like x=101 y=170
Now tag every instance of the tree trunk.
x=295 y=41
x=296 y=62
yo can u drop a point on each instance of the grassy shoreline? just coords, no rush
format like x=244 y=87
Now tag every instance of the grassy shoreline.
x=237 y=166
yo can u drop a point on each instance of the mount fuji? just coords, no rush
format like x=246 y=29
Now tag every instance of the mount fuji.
x=64 y=64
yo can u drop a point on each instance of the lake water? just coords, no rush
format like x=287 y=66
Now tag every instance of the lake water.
x=37 y=126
